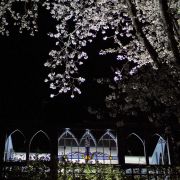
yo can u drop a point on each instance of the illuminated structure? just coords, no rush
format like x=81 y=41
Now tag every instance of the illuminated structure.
x=88 y=149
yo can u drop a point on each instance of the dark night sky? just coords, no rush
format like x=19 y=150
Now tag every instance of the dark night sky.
x=25 y=96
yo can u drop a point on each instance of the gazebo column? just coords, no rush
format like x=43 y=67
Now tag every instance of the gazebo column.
x=54 y=155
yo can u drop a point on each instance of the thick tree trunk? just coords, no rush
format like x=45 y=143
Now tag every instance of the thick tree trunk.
x=121 y=146
x=140 y=34
x=168 y=25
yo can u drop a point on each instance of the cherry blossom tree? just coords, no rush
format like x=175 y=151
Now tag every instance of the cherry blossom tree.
x=150 y=28
x=151 y=87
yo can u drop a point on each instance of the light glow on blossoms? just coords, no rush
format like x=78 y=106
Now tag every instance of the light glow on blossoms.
x=78 y=22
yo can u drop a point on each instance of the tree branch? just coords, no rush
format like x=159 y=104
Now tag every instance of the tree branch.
x=140 y=34
x=176 y=29
x=169 y=28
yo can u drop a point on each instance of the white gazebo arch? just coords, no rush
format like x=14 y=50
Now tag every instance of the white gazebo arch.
x=43 y=154
x=107 y=150
x=68 y=146
x=10 y=151
x=136 y=159
x=161 y=151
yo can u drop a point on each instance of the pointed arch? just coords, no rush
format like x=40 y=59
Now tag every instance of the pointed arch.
x=68 y=146
x=109 y=133
x=160 y=154
x=88 y=134
x=18 y=131
x=87 y=147
x=134 y=134
x=38 y=132
x=135 y=153
x=40 y=150
x=107 y=150
x=158 y=135
x=68 y=132
x=15 y=146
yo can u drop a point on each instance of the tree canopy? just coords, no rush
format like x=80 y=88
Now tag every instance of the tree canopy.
x=143 y=38
x=149 y=27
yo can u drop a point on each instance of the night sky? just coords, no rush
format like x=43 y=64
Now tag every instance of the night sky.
x=25 y=96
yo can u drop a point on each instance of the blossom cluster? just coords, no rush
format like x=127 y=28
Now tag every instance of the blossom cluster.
x=22 y=13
